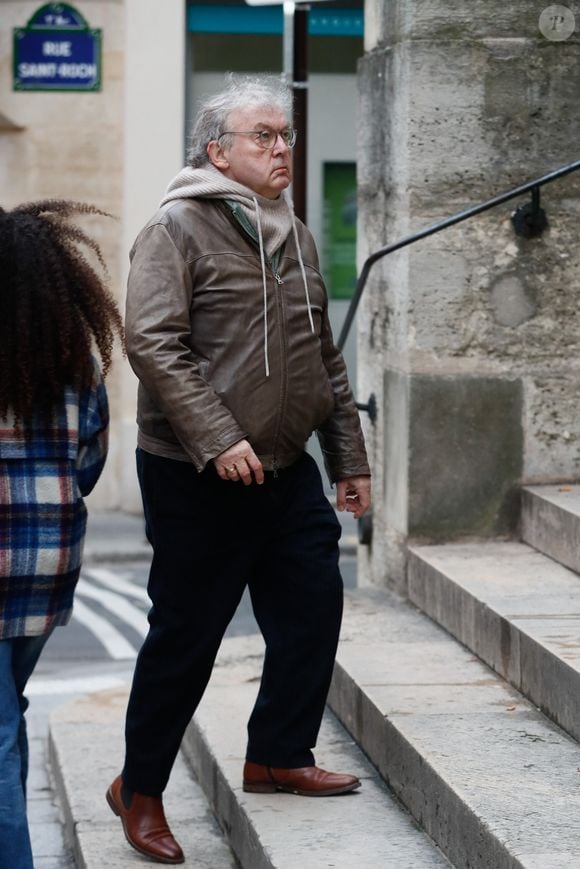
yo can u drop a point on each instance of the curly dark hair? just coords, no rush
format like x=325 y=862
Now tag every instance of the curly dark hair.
x=54 y=307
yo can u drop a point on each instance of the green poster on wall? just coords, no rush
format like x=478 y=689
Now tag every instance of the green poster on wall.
x=340 y=229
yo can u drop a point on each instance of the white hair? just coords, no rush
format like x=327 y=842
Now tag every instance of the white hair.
x=241 y=92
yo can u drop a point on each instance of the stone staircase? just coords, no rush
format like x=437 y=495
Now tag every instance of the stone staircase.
x=366 y=829
x=517 y=607
x=476 y=739
x=459 y=709
x=515 y=604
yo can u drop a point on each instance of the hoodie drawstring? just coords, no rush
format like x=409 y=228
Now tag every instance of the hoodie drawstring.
x=264 y=280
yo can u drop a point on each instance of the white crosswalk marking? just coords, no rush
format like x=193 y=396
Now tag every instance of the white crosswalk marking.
x=114 y=642
x=116 y=604
x=116 y=582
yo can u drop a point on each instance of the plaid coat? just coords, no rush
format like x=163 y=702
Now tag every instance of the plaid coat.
x=43 y=477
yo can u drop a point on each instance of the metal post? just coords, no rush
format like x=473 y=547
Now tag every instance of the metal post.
x=300 y=90
x=295 y=57
x=288 y=46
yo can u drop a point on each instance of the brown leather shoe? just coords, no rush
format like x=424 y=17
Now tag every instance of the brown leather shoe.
x=145 y=826
x=307 y=781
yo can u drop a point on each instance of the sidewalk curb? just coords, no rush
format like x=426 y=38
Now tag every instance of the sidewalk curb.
x=59 y=789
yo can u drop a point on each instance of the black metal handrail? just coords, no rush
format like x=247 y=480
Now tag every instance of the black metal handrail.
x=532 y=216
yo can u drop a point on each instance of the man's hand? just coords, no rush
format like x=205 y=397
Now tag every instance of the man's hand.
x=239 y=463
x=353 y=494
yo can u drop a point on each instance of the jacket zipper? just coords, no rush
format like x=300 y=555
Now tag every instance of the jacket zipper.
x=283 y=371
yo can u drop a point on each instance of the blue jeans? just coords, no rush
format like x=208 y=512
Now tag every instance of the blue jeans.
x=18 y=658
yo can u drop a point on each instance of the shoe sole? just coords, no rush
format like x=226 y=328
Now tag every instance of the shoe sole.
x=115 y=810
x=268 y=788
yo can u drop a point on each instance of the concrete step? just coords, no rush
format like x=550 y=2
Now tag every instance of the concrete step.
x=515 y=608
x=550 y=522
x=86 y=750
x=493 y=781
x=367 y=829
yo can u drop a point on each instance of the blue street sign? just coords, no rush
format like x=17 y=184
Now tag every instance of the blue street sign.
x=57 y=51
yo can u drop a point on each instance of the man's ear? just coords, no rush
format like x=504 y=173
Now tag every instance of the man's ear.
x=217 y=155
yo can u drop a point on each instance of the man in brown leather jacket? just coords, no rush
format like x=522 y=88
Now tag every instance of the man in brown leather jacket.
x=227 y=331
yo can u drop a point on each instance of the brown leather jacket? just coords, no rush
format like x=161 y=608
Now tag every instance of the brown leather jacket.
x=195 y=339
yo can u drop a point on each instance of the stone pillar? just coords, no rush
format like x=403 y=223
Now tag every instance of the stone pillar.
x=469 y=339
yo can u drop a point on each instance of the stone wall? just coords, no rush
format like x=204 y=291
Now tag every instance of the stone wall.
x=469 y=339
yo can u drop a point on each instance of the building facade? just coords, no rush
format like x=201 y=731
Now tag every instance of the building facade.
x=119 y=142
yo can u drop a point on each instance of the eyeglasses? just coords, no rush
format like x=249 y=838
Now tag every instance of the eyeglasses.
x=266 y=138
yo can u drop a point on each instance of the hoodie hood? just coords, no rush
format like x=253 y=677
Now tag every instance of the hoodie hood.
x=274 y=215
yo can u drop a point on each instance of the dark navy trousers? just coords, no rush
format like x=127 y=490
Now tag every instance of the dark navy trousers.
x=210 y=539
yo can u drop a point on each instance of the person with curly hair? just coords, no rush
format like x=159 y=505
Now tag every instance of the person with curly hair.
x=54 y=307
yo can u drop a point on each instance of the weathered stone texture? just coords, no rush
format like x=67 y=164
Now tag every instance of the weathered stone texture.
x=465 y=455
x=457 y=105
x=451 y=22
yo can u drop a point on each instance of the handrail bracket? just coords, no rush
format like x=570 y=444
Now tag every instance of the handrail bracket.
x=370 y=407
x=530 y=220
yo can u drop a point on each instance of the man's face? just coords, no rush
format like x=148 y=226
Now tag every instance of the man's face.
x=266 y=172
